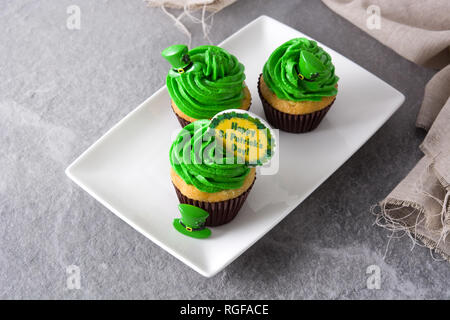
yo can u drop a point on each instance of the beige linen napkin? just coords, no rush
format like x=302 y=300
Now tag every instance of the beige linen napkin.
x=420 y=32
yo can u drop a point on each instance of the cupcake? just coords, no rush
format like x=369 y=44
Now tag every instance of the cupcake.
x=298 y=86
x=204 y=81
x=205 y=181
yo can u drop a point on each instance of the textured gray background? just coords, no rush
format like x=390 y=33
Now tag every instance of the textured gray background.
x=60 y=90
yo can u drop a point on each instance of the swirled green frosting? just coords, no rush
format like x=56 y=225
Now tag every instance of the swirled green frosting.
x=300 y=70
x=213 y=83
x=196 y=158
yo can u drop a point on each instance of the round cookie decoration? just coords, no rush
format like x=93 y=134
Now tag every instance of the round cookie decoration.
x=244 y=135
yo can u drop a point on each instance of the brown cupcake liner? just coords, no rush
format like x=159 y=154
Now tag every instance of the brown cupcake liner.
x=220 y=212
x=289 y=122
x=183 y=122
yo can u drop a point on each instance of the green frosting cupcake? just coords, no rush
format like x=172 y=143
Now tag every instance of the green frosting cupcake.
x=214 y=172
x=205 y=80
x=300 y=70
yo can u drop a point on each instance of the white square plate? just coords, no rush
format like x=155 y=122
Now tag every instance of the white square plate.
x=127 y=170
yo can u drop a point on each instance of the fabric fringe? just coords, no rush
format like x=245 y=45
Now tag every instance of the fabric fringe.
x=188 y=12
x=399 y=226
x=433 y=246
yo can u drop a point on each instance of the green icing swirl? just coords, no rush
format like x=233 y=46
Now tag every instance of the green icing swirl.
x=281 y=71
x=214 y=83
x=214 y=172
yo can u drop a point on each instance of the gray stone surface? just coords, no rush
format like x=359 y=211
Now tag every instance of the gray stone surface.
x=61 y=89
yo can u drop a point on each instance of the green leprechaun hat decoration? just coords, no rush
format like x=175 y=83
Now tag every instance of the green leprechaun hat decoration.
x=310 y=66
x=192 y=222
x=178 y=57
